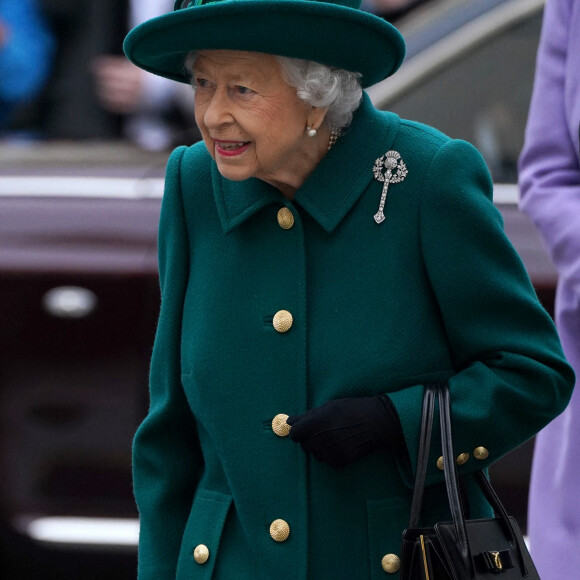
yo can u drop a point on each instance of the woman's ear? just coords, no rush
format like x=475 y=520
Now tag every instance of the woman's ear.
x=316 y=117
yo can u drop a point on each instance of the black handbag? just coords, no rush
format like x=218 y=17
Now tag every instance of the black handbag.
x=482 y=549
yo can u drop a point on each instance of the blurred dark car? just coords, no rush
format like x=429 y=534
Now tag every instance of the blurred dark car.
x=79 y=292
x=79 y=302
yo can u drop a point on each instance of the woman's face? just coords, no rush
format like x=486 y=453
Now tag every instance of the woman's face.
x=252 y=122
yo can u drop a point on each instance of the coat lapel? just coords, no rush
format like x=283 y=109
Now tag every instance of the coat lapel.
x=342 y=176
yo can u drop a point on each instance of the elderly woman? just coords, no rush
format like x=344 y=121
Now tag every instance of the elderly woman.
x=320 y=263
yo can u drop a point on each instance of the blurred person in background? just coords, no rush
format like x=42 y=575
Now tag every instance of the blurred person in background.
x=94 y=94
x=145 y=100
x=26 y=50
x=550 y=195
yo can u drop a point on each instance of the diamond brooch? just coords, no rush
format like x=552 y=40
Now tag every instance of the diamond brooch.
x=389 y=168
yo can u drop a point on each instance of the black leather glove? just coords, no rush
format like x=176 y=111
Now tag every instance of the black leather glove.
x=344 y=430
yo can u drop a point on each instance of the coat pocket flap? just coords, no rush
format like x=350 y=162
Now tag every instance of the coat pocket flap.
x=200 y=545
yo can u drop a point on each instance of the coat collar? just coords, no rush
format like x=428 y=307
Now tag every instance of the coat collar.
x=332 y=188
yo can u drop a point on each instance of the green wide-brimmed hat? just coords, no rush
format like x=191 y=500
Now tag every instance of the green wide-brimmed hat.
x=333 y=32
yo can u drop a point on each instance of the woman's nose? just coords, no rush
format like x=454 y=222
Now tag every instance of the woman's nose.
x=217 y=111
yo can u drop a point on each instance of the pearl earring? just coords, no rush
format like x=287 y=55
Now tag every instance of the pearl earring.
x=311 y=132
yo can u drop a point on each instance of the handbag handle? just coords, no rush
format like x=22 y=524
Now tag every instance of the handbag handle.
x=427 y=412
x=451 y=479
x=451 y=482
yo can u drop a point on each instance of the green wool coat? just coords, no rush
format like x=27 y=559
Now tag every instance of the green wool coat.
x=434 y=292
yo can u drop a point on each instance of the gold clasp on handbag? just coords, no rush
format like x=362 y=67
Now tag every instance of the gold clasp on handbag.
x=496 y=560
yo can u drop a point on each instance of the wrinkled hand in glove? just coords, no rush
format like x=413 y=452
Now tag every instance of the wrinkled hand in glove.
x=344 y=430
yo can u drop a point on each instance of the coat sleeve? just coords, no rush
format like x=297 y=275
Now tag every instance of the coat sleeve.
x=166 y=454
x=510 y=376
x=549 y=168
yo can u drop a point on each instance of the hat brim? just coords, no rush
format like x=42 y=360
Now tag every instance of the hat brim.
x=324 y=32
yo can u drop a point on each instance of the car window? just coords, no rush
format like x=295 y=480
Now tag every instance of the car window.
x=482 y=96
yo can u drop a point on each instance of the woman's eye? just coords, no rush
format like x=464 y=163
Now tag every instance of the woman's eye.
x=241 y=90
x=201 y=82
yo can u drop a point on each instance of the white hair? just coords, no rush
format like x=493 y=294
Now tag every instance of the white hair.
x=317 y=85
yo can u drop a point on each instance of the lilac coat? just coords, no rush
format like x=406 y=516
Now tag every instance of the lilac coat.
x=550 y=195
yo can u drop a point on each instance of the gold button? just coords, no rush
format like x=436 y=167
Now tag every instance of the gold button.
x=282 y=321
x=279 y=530
x=285 y=218
x=201 y=554
x=440 y=463
x=462 y=458
x=391 y=563
x=279 y=425
x=480 y=453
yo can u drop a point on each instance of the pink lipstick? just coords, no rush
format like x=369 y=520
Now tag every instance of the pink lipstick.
x=230 y=148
